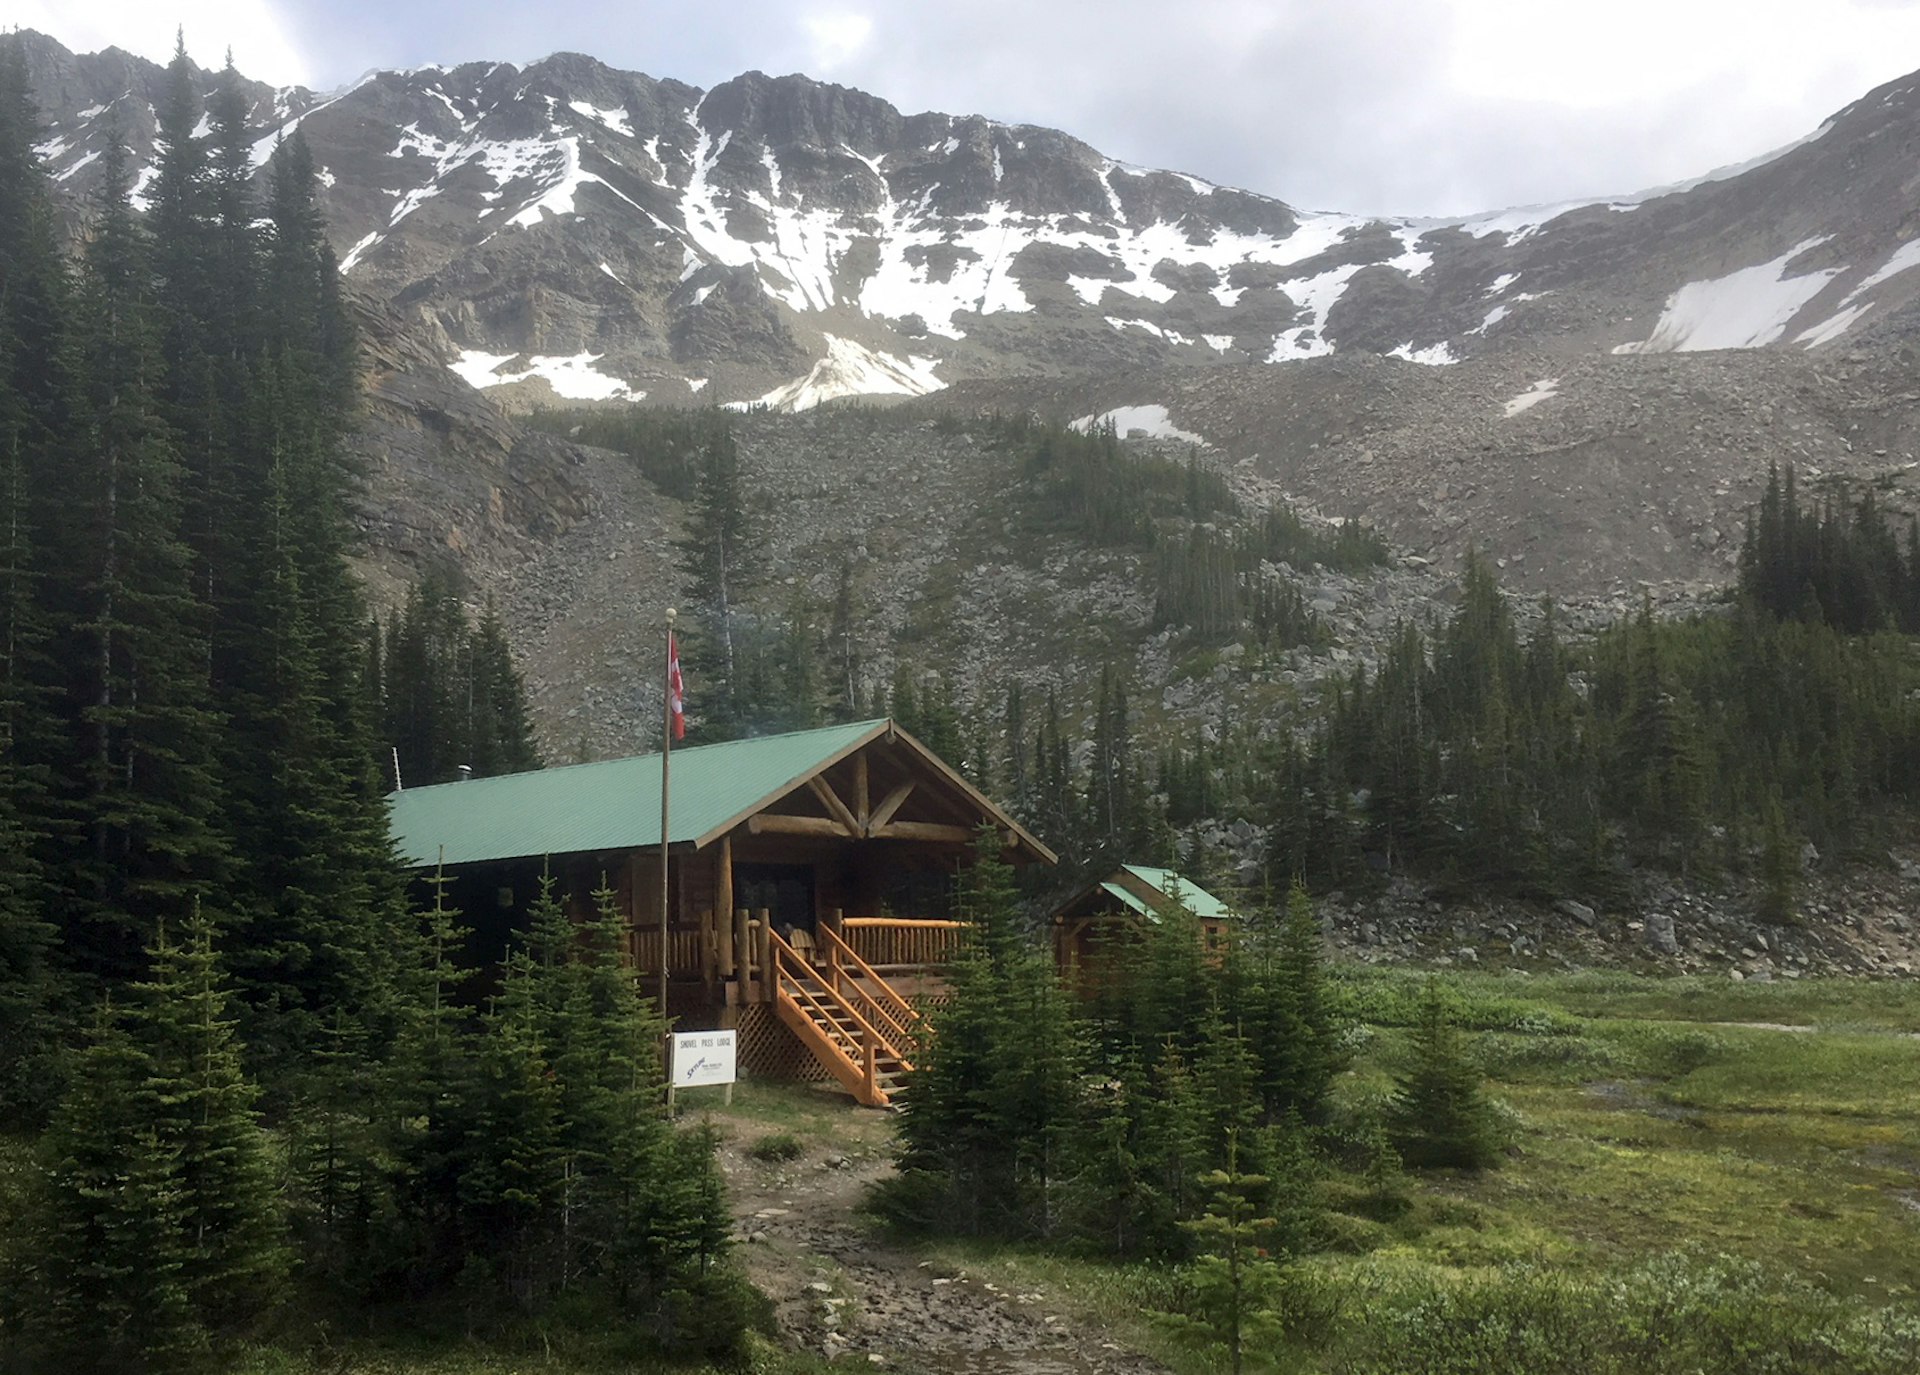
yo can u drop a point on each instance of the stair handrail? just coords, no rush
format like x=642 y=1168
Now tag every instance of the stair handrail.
x=836 y=1046
x=905 y=923
x=782 y=954
x=903 y=1018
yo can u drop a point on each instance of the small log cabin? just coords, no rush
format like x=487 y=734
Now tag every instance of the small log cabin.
x=1088 y=925
x=810 y=881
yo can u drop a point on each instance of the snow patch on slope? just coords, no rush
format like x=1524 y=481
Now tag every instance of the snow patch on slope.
x=1438 y=355
x=75 y=166
x=1904 y=257
x=360 y=250
x=1853 y=307
x=1831 y=328
x=1524 y=221
x=615 y=119
x=1153 y=420
x=852 y=369
x=1543 y=390
x=1742 y=310
x=571 y=377
x=1317 y=295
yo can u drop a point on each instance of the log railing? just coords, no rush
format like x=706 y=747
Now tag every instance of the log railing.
x=891 y=944
x=683 y=947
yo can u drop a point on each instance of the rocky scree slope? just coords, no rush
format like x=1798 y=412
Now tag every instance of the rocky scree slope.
x=1583 y=477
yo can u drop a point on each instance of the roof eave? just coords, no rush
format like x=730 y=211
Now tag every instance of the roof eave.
x=859 y=742
x=1020 y=833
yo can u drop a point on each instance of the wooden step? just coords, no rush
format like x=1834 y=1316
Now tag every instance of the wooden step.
x=829 y=1024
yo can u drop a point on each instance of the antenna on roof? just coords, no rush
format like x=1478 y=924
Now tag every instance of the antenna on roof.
x=398 y=786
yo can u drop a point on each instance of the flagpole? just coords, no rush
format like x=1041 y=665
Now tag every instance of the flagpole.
x=666 y=758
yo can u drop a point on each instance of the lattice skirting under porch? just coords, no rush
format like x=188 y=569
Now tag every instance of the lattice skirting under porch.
x=767 y=1049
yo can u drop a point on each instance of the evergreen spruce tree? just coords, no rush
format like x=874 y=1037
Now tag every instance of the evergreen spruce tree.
x=1293 y=1168
x=235 y=1259
x=407 y=1161
x=611 y=1066
x=1660 y=748
x=721 y=547
x=450 y=691
x=1235 y=1284
x=426 y=671
x=499 y=730
x=698 y=1306
x=1228 y=1078
x=1779 y=868
x=1111 y=788
x=33 y=390
x=307 y=797
x=510 y=1163
x=1114 y=1202
x=1174 y=1139
x=1440 y=1117
x=1298 y=1039
x=991 y=1112
x=108 y=1283
x=846 y=695
x=1014 y=723
x=141 y=771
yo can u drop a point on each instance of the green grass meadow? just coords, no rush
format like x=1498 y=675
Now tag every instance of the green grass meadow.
x=1689 y=1187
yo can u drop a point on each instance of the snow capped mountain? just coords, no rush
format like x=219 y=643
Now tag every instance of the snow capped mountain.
x=570 y=230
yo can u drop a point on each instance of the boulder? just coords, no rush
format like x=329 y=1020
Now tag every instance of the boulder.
x=1579 y=911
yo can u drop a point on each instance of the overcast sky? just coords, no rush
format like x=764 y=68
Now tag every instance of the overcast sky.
x=1380 y=106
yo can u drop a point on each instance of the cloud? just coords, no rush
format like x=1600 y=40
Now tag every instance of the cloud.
x=1402 y=106
x=262 y=43
x=1385 y=106
x=835 y=39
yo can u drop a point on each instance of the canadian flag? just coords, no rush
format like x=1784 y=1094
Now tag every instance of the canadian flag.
x=676 y=689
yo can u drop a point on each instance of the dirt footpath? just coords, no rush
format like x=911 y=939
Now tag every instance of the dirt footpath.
x=841 y=1289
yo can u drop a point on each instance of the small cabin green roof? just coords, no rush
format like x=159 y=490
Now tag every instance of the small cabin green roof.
x=1114 y=890
x=1184 y=891
x=613 y=804
x=1147 y=893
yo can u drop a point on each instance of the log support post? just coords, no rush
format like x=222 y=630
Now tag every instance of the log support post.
x=763 y=955
x=723 y=904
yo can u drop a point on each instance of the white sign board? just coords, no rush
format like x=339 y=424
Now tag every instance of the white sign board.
x=701 y=1058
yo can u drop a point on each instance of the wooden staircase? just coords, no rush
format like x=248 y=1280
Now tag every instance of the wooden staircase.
x=857 y=1024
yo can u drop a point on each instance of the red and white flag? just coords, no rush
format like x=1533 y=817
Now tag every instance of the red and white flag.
x=676 y=690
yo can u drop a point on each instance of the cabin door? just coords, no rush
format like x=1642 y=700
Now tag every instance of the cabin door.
x=785 y=890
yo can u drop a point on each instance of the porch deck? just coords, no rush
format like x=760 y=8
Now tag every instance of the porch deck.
x=740 y=951
x=845 y=991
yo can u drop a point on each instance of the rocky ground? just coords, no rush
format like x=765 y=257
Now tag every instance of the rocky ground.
x=842 y=1289
x=1864 y=923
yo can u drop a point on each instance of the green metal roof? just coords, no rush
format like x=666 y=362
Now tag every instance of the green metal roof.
x=1115 y=890
x=1184 y=891
x=611 y=805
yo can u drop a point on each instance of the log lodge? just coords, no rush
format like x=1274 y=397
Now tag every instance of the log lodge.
x=810 y=881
